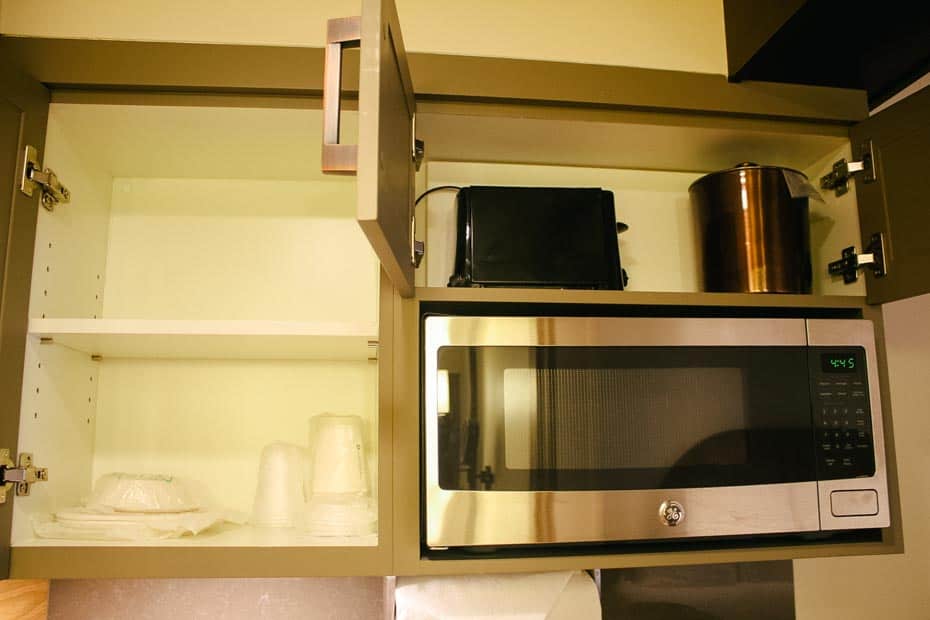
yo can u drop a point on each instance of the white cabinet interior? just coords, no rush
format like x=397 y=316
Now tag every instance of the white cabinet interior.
x=205 y=293
x=648 y=162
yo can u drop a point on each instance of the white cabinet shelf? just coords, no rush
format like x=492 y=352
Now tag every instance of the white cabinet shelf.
x=206 y=339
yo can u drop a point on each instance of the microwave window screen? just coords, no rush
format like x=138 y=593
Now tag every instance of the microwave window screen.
x=622 y=418
x=525 y=418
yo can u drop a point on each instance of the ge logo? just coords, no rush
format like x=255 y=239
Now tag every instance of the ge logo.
x=671 y=513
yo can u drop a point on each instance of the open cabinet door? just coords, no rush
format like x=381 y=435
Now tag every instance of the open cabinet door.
x=385 y=158
x=23 y=118
x=897 y=202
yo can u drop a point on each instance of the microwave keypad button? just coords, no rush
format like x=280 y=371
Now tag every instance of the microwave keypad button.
x=854 y=503
x=843 y=439
x=863 y=440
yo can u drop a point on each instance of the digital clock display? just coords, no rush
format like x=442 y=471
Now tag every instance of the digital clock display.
x=839 y=362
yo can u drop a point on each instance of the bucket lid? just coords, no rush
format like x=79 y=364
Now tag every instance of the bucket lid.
x=747 y=165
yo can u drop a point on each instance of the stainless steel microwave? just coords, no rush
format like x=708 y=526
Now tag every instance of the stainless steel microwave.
x=561 y=430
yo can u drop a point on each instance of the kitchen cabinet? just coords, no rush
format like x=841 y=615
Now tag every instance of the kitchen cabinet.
x=895 y=203
x=880 y=50
x=189 y=305
x=236 y=298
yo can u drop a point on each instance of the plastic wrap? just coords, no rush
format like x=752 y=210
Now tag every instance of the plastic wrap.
x=98 y=523
x=799 y=186
x=142 y=493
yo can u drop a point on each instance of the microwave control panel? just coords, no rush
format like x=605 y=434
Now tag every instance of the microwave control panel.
x=842 y=417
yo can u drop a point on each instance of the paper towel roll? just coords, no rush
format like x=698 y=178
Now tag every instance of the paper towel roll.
x=580 y=600
x=539 y=596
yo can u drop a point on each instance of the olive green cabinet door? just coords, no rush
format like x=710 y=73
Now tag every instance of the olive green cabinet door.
x=897 y=203
x=385 y=158
x=23 y=118
x=879 y=49
x=749 y=25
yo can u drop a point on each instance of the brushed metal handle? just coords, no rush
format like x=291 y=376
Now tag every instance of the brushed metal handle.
x=341 y=33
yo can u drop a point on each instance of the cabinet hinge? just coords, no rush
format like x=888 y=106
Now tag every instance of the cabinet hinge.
x=18 y=477
x=864 y=167
x=417 y=248
x=872 y=257
x=53 y=192
x=418 y=147
x=418 y=150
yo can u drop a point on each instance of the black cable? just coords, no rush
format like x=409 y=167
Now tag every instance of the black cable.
x=434 y=189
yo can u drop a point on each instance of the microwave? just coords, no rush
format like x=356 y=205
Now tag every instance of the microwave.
x=549 y=430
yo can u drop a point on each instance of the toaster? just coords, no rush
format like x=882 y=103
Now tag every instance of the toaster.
x=541 y=237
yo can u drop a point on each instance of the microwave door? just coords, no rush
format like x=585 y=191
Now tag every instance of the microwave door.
x=562 y=425
x=625 y=418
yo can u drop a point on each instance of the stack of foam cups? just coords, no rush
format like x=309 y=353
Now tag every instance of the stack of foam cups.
x=340 y=502
x=279 y=498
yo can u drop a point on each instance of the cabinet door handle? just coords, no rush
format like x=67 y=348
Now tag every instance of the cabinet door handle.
x=341 y=33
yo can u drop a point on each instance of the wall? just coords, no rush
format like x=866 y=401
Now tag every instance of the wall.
x=895 y=586
x=685 y=36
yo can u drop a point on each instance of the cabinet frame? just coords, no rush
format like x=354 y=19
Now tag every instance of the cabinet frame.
x=98 y=562
x=408 y=556
x=200 y=74
x=276 y=70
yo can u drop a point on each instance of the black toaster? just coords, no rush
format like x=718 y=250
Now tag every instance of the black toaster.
x=543 y=237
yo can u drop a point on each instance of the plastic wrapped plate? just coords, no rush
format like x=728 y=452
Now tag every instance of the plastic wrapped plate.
x=142 y=493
